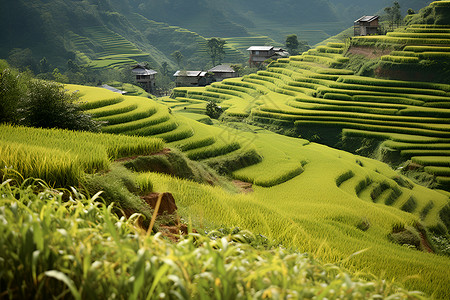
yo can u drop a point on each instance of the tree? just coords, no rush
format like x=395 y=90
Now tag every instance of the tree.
x=164 y=68
x=213 y=110
x=44 y=66
x=39 y=103
x=237 y=68
x=12 y=91
x=393 y=15
x=22 y=59
x=216 y=49
x=292 y=44
x=178 y=57
x=163 y=84
x=48 y=105
x=410 y=11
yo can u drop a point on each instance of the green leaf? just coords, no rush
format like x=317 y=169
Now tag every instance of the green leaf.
x=64 y=278
x=159 y=274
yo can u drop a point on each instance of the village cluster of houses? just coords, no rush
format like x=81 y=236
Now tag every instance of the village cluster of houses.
x=366 y=25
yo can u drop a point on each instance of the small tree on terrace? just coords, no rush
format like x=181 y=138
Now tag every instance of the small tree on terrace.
x=216 y=49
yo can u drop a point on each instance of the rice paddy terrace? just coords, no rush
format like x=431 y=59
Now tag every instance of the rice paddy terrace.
x=99 y=47
x=314 y=96
x=307 y=196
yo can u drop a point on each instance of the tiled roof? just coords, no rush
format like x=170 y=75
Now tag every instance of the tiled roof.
x=189 y=73
x=260 y=48
x=224 y=68
x=367 y=19
x=138 y=70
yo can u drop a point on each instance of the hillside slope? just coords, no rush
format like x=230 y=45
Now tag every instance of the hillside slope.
x=85 y=30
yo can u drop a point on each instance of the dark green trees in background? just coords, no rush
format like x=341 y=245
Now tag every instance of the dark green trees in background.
x=294 y=46
x=393 y=15
x=27 y=101
x=216 y=49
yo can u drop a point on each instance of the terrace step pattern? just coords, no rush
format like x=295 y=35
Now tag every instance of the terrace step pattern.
x=138 y=116
x=310 y=91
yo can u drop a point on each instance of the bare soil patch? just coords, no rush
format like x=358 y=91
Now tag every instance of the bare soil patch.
x=369 y=52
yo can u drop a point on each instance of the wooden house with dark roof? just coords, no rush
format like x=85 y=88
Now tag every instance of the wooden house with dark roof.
x=191 y=78
x=145 y=77
x=259 y=54
x=222 y=72
x=367 y=25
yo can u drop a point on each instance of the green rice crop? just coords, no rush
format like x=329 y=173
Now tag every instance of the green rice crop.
x=393 y=83
x=434 y=55
x=154 y=129
x=61 y=157
x=441 y=3
x=427 y=49
x=443 y=161
x=182 y=132
x=419 y=35
x=92 y=97
x=404 y=53
x=343 y=102
x=144 y=109
x=400 y=59
x=399 y=40
x=438 y=171
x=370 y=127
x=41 y=239
x=387 y=99
x=322 y=209
x=161 y=115
x=213 y=150
x=427 y=152
x=428 y=30
x=403 y=138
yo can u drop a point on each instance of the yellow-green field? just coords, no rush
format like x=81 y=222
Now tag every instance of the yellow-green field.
x=306 y=196
x=311 y=92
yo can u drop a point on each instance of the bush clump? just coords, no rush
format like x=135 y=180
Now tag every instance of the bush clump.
x=39 y=103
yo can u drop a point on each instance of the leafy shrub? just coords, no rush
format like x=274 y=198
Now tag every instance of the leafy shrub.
x=213 y=110
x=39 y=103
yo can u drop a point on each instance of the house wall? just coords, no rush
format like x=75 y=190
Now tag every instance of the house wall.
x=186 y=81
x=224 y=75
x=257 y=57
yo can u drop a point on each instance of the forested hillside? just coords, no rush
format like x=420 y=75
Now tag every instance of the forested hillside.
x=95 y=32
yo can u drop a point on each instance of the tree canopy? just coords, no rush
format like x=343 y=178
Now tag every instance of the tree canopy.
x=216 y=49
x=27 y=101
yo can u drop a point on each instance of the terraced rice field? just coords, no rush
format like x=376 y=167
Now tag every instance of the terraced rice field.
x=311 y=93
x=306 y=196
x=102 y=48
x=139 y=116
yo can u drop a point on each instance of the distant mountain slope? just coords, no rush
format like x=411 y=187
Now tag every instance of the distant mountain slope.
x=60 y=29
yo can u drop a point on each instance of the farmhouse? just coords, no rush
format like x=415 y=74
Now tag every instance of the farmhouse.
x=145 y=77
x=259 y=54
x=366 y=25
x=222 y=72
x=191 y=78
